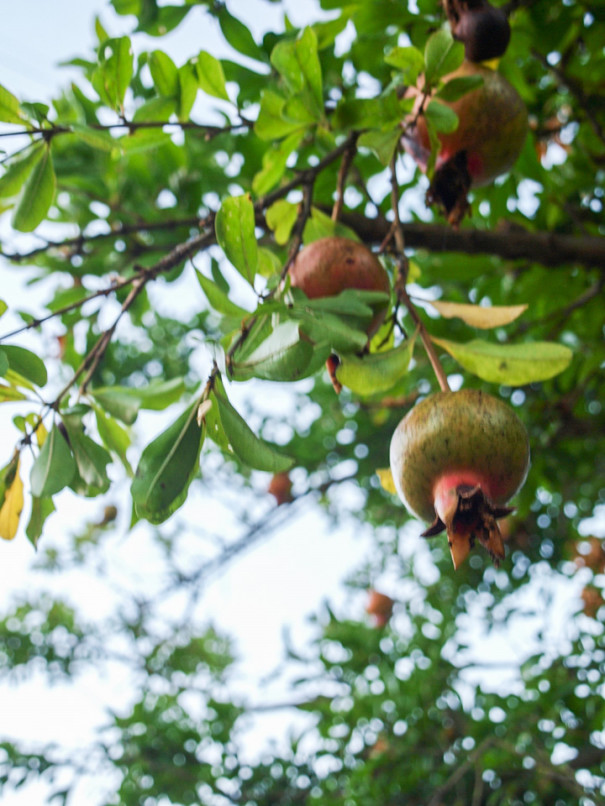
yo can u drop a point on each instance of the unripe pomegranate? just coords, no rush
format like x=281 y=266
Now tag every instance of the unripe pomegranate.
x=380 y=606
x=456 y=459
x=492 y=126
x=483 y=29
x=328 y=266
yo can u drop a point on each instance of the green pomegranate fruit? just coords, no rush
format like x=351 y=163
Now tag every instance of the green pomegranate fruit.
x=483 y=29
x=330 y=265
x=492 y=126
x=456 y=459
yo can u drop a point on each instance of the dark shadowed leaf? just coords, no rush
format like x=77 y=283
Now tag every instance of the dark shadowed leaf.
x=167 y=467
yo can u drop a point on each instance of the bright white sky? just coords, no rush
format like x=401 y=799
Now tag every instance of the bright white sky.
x=274 y=586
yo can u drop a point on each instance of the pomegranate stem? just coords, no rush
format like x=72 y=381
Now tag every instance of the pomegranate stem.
x=402 y=295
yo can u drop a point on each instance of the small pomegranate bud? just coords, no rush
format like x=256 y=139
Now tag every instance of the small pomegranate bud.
x=456 y=459
x=380 y=606
x=280 y=487
x=328 y=266
x=484 y=31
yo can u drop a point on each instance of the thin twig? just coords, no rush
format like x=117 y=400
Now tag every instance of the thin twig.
x=345 y=165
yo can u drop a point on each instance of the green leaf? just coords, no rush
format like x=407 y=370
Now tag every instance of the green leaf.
x=8 y=394
x=511 y=364
x=188 y=87
x=274 y=164
x=442 y=117
x=235 y=234
x=408 y=60
x=298 y=63
x=91 y=459
x=218 y=300
x=4 y=365
x=167 y=467
x=210 y=75
x=37 y=195
x=41 y=509
x=124 y=402
x=164 y=74
x=115 y=438
x=18 y=170
x=158 y=108
x=319 y=225
x=26 y=363
x=238 y=35
x=10 y=108
x=7 y=475
x=457 y=87
x=273 y=121
x=102 y=141
x=112 y=77
x=376 y=373
x=284 y=356
x=442 y=55
x=383 y=144
x=54 y=467
x=281 y=217
x=249 y=448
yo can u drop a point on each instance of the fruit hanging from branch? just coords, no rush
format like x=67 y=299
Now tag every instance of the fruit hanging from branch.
x=491 y=131
x=457 y=458
x=333 y=264
x=483 y=29
x=330 y=265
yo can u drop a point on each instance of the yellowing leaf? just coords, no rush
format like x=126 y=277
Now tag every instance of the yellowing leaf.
x=386 y=479
x=10 y=511
x=479 y=316
x=512 y=364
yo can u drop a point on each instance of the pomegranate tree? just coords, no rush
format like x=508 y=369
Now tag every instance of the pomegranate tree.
x=456 y=459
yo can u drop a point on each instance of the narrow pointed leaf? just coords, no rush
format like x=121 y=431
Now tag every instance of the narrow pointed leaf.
x=167 y=467
x=37 y=195
x=41 y=509
x=219 y=301
x=12 y=506
x=386 y=480
x=54 y=467
x=511 y=364
x=115 y=438
x=376 y=373
x=210 y=76
x=17 y=172
x=249 y=448
x=479 y=316
x=164 y=74
x=235 y=234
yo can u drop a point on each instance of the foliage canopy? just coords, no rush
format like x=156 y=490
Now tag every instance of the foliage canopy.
x=157 y=204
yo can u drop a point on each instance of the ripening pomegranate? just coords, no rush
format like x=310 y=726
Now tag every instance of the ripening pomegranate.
x=456 y=459
x=483 y=29
x=280 y=487
x=380 y=607
x=330 y=265
x=492 y=126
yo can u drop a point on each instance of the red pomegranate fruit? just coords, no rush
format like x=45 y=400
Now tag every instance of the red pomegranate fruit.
x=330 y=265
x=483 y=29
x=492 y=126
x=380 y=607
x=280 y=487
x=456 y=459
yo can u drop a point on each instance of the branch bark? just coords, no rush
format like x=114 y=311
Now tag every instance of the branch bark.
x=510 y=243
